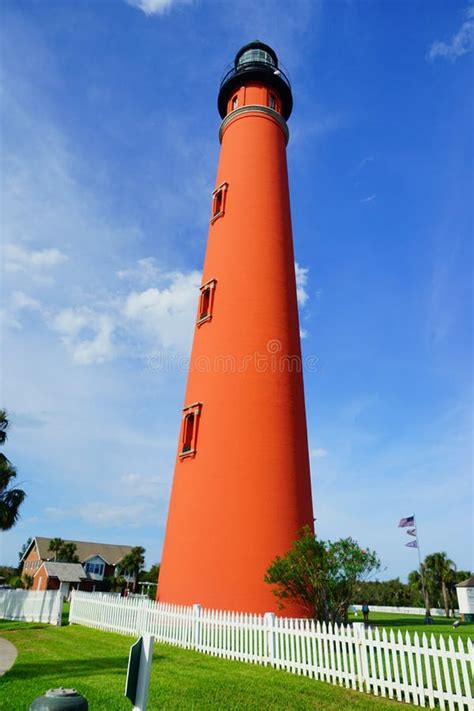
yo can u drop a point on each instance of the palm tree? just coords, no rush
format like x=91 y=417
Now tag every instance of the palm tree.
x=134 y=561
x=3 y=426
x=440 y=572
x=55 y=546
x=10 y=498
x=67 y=553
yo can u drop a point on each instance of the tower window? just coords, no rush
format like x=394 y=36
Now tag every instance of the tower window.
x=218 y=201
x=235 y=102
x=189 y=429
x=206 y=301
x=272 y=101
x=188 y=433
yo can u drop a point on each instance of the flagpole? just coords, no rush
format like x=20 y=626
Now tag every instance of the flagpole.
x=422 y=577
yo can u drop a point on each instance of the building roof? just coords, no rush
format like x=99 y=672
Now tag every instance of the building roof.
x=65 y=572
x=469 y=583
x=110 y=552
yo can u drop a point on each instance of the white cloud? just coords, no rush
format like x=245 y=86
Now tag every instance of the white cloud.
x=10 y=317
x=301 y=282
x=20 y=301
x=318 y=453
x=138 y=485
x=303 y=333
x=155 y=7
x=145 y=271
x=370 y=198
x=155 y=318
x=18 y=259
x=165 y=315
x=86 y=333
x=460 y=43
x=111 y=516
x=363 y=163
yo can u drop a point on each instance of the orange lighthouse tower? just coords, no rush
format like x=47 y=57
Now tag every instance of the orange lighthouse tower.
x=241 y=488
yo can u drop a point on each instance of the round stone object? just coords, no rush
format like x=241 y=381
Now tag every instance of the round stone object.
x=60 y=700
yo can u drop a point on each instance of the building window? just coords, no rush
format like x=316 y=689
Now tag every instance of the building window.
x=95 y=568
x=191 y=414
x=272 y=101
x=206 y=301
x=218 y=201
x=235 y=102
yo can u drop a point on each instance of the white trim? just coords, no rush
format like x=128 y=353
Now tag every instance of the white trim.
x=94 y=555
x=254 y=108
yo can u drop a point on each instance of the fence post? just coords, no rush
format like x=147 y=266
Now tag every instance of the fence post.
x=140 y=623
x=58 y=609
x=270 y=618
x=197 y=626
x=72 y=605
x=361 y=656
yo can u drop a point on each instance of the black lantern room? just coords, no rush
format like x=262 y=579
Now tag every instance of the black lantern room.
x=256 y=61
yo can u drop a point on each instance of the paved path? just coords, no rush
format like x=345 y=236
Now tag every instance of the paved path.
x=8 y=654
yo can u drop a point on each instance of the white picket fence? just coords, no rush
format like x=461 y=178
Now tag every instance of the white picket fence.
x=423 y=671
x=31 y=606
x=435 y=611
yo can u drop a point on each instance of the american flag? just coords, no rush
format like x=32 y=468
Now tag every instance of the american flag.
x=404 y=522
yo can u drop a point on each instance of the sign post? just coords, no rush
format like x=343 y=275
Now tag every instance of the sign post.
x=138 y=672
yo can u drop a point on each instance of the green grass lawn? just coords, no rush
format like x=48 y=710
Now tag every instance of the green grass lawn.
x=95 y=664
x=414 y=623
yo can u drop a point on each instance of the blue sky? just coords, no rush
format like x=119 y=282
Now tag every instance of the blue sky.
x=109 y=152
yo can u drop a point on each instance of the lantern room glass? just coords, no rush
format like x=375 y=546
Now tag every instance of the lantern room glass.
x=256 y=56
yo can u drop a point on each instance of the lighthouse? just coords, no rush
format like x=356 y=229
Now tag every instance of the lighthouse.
x=241 y=488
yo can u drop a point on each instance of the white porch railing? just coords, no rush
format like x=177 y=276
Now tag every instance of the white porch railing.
x=424 y=671
x=31 y=606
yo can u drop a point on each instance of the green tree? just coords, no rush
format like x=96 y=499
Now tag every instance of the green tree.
x=322 y=576
x=23 y=550
x=6 y=572
x=27 y=582
x=416 y=589
x=15 y=581
x=384 y=592
x=67 y=553
x=133 y=562
x=10 y=498
x=150 y=576
x=440 y=575
x=55 y=546
x=64 y=552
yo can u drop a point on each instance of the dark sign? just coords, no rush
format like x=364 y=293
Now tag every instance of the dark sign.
x=133 y=669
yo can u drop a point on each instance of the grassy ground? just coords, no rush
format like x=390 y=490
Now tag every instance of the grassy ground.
x=95 y=664
x=414 y=623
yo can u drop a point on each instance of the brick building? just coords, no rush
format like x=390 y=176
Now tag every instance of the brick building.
x=98 y=561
